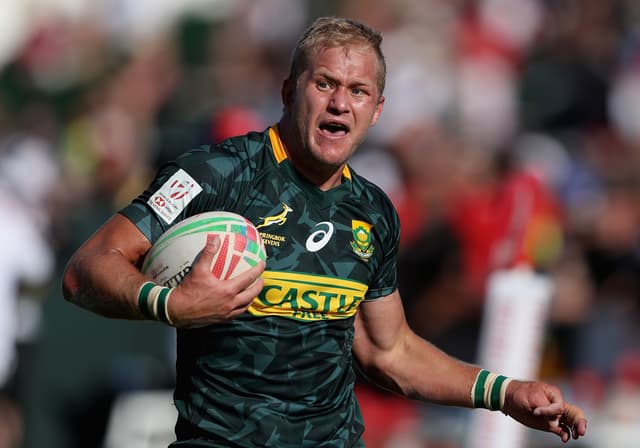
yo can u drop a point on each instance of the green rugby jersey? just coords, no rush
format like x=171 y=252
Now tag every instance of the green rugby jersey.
x=281 y=374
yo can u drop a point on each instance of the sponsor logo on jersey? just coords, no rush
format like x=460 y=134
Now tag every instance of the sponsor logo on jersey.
x=318 y=239
x=307 y=297
x=269 y=239
x=174 y=195
x=278 y=219
x=361 y=244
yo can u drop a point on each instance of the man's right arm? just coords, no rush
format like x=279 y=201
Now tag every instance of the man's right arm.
x=103 y=276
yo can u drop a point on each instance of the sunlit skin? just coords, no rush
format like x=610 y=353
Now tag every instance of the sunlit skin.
x=328 y=113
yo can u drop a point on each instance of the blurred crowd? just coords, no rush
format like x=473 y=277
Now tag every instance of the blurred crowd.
x=510 y=137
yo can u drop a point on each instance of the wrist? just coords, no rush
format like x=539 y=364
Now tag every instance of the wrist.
x=489 y=390
x=153 y=301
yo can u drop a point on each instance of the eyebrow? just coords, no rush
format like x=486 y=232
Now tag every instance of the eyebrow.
x=357 y=83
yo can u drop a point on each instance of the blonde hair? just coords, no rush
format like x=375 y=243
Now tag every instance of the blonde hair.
x=331 y=32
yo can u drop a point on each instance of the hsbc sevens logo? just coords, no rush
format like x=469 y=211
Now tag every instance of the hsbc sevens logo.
x=178 y=190
x=159 y=201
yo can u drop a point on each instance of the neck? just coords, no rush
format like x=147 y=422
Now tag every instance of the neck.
x=323 y=176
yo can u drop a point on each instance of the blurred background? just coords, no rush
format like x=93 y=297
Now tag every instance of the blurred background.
x=509 y=143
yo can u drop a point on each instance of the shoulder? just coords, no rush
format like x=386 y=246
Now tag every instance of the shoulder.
x=244 y=146
x=247 y=146
x=378 y=210
x=372 y=195
x=228 y=156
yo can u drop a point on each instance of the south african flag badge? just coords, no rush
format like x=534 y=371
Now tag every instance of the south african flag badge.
x=361 y=244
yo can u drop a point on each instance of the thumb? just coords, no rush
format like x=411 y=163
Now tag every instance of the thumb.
x=213 y=240
x=552 y=409
x=555 y=404
x=208 y=252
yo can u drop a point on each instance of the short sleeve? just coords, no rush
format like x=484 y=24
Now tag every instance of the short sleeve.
x=200 y=180
x=385 y=280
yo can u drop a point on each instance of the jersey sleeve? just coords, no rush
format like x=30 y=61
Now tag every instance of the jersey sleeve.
x=200 y=180
x=385 y=281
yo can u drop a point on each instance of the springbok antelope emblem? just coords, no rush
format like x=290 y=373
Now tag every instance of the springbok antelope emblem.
x=278 y=219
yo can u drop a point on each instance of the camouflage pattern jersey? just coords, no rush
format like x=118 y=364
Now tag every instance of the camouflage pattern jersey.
x=280 y=375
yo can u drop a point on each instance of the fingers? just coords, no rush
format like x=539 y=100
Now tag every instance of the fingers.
x=557 y=427
x=241 y=290
x=553 y=402
x=245 y=298
x=549 y=410
x=571 y=423
x=247 y=278
x=541 y=406
x=574 y=419
x=580 y=428
x=565 y=433
x=202 y=299
x=247 y=286
x=577 y=430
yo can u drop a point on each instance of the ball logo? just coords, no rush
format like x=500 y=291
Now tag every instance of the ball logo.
x=318 y=239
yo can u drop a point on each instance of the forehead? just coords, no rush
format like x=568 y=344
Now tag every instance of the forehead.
x=356 y=61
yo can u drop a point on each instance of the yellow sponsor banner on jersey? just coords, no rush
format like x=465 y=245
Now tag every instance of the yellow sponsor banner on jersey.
x=307 y=297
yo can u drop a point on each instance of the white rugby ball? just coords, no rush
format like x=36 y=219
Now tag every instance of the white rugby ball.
x=171 y=257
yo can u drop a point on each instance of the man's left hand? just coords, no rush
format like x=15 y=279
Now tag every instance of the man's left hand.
x=541 y=406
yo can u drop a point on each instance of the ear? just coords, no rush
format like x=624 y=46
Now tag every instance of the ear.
x=378 y=111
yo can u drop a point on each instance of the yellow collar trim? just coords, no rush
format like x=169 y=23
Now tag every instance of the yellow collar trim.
x=346 y=173
x=278 y=148
x=280 y=153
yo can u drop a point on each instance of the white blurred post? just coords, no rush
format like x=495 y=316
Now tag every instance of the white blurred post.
x=511 y=339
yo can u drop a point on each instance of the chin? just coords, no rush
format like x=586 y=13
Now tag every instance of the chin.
x=339 y=146
x=332 y=157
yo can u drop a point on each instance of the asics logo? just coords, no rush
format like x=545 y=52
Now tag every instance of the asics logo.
x=318 y=239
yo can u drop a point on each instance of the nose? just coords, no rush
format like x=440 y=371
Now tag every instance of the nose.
x=339 y=101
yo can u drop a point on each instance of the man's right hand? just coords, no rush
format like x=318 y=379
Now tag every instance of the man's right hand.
x=202 y=299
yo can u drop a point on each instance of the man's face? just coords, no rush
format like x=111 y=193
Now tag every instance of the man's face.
x=334 y=104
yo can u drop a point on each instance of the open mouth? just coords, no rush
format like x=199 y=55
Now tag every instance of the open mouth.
x=334 y=128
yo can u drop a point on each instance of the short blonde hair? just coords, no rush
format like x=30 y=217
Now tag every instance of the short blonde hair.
x=331 y=32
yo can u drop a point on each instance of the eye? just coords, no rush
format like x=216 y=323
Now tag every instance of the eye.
x=359 y=91
x=323 y=85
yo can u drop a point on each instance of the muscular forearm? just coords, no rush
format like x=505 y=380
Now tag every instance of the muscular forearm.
x=106 y=284
x=398 y=359
x=421 y=371
x=102 y=275
x=439 y=378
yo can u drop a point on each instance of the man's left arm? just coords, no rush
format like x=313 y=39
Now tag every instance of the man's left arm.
x=394 y=357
